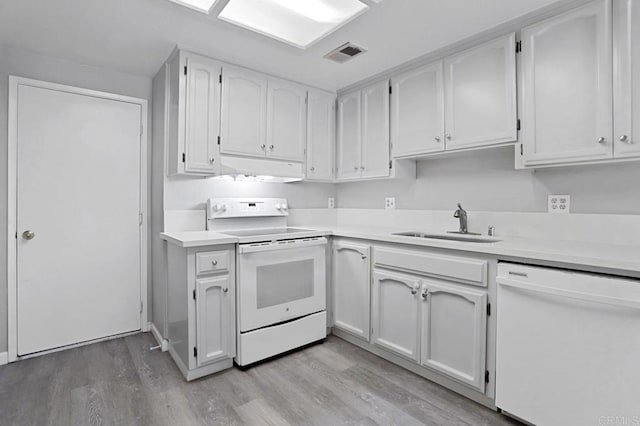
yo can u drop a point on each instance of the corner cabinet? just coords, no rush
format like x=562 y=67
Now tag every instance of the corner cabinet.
x=363 y=133
x=192 y=102
x=321 y=113
x=351 y=288
x=201 y=308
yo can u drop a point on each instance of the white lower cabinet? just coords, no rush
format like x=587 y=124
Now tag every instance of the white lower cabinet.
x=454 y=331
x=351 y=288
x=395 y=313
x=215 y=319
x=201 y=308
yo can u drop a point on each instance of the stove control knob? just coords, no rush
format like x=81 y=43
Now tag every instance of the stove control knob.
x=223 y=208
x=216 y=207
x=283 y=206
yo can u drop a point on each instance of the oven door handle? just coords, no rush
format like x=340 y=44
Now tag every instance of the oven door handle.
x=281 y=245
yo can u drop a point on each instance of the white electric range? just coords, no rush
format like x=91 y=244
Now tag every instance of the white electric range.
x=281 y=276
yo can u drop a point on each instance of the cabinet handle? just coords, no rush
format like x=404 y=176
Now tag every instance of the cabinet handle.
x=425 y=293
x=225 y=290
x=361 y=167
x=602 y=140
x=214 y=262
x=271 y=147
x=355 y=168
x=263 y=146
x=437 y=138
x=448 y=137
x=624 y=139
x=211 y=160
x=313 y=169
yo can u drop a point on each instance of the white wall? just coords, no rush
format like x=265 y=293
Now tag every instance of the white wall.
x=485 y=180
x=27 y=64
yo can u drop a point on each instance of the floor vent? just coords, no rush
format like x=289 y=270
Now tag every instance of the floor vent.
x=344 y=53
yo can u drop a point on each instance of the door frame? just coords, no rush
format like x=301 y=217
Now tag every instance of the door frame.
x=12 y=193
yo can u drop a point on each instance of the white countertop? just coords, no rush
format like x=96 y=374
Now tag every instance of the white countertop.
x=619 y=258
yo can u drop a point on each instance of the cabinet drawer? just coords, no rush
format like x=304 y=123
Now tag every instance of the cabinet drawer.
x=459 y=268
x=212 y=261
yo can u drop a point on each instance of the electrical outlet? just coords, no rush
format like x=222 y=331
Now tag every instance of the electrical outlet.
x=331 y=202
x=390 y=203
x=559 y=204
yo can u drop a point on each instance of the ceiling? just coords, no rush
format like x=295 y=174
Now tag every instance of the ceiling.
x=136 y=36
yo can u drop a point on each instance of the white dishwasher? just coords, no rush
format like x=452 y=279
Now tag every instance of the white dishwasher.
x=568 y=346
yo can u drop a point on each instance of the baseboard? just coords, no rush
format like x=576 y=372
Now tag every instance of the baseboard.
x=4 y=358
x=164 y=345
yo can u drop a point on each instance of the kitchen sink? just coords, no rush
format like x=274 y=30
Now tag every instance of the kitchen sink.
x=468 y=238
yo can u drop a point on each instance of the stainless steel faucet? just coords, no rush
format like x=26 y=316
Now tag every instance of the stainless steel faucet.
x=462 y=215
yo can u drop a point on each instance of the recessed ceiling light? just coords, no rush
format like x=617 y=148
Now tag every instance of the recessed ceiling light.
x=199 y=5
x=296 y=22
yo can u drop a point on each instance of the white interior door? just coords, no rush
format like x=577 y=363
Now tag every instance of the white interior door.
x=78 y=192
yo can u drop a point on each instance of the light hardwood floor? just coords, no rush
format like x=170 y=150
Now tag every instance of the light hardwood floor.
x=120 y=382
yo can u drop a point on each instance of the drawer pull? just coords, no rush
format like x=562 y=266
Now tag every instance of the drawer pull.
x=226 y=290
x=519 y=274
x=214 y=262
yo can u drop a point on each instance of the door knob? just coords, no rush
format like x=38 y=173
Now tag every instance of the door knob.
x=28 y=235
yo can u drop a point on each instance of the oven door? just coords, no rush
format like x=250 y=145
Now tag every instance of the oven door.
x=279 y=281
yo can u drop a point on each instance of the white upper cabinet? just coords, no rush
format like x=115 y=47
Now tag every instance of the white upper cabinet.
x=417 y=111
x=375 y=131
x=244 y=113
x=202 y=115
x=626 y=78
x=567 y=87
x=349 y=136
x=480 y=95
x=363 y=133
x=395 y=313
x=320 y=135
x=286 y=120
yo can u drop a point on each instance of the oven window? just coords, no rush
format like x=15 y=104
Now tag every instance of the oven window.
x=284 y=282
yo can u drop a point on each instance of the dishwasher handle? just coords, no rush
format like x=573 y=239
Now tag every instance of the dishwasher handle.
x=586 y=297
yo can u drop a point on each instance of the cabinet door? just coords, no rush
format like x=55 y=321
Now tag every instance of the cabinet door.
x=244 y=113
x=287 y=120
x=375 y=131
x=215 y=322
x=480 y=95
x=454 y=332
x=566 y=87
x=395 y=313
x=417 y=111
x=349 y=136
x=351 y=288
x=626 y=78
x=320 y=135
x=202 y=120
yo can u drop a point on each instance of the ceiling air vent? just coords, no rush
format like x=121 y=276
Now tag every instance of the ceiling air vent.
x=344 y=53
